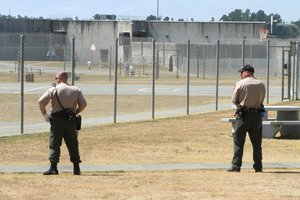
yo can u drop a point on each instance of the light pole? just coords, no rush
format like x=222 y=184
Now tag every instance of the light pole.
x=157 y=9
x=272 y=23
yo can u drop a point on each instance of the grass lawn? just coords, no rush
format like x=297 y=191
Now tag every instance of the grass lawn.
x=194 y=138
x=200 y=138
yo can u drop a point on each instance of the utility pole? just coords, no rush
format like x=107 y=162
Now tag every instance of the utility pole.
x=272 y=23
x=157 y=9
x=272 y=19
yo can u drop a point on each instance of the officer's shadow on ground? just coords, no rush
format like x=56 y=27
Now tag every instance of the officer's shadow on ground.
x=121 y=173
x=282 y=172
x=115 y=173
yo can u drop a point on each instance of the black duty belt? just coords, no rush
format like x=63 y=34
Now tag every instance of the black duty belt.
x=64 y=113
x=252 y=110
x=58 y=114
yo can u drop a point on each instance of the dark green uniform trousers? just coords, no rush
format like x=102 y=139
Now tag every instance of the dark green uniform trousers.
x=63 y=128
x=251 y=123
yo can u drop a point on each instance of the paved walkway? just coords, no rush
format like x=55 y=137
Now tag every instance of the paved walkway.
x=13 y=128
x=141 y=167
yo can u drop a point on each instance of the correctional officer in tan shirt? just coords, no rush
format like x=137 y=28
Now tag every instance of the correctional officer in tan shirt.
x=62 y=127
x=248 y=96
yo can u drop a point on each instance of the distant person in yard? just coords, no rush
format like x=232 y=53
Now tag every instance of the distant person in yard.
x=127 y=69
x=248 y=96
x=89 y=63
x=131 y=70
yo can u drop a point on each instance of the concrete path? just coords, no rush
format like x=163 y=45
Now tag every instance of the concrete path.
x=13 y=128
x=141 y=167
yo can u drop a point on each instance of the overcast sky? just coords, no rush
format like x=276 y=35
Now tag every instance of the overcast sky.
x=199 y=10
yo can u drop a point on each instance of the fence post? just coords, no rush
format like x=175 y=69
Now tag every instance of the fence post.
x=217 y=79
x=289 y=74
x=65 y=58
x=198 y=61
x=188 y=78
x=243 y=52
x=73 y=58
x=116 y=82
x=110 y=62
x=293 y=53
x=204 y=67
x=268 y=70
x=157 y=64
x=177 y=63
x=297 y=71
x=153 y=79
x=21 y=59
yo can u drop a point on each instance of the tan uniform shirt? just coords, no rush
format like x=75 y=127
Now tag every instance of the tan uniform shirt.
x=68 y=95
x=249 y=92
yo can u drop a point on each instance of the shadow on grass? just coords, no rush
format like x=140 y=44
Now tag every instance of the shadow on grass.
x=282 y=172
x=108 y=173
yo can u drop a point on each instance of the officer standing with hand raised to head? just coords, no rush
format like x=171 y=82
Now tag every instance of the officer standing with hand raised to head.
x=248 y=96
x=63 y=97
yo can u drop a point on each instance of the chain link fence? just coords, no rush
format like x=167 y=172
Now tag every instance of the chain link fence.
x=135 y=80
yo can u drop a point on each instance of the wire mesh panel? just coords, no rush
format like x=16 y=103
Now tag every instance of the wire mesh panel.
x=199 y=75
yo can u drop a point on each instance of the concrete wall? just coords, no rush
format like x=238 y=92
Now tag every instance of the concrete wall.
x=42 y=38
x=204 y=37
x=101 y=34
x=125 y=43
x=32 y=26
x=200 y=31
x=171 y=38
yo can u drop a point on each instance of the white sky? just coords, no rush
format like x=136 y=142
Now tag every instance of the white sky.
x=199 y=10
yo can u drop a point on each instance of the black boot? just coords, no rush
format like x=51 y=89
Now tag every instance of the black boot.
x=234 y=169
x=52 y=171
x=76 y=170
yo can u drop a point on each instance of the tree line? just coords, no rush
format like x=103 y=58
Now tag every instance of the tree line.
x=240 y=15
x=236 y=15
x=273 y=21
